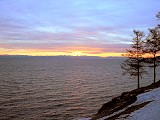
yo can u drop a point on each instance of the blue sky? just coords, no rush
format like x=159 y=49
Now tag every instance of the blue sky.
x=70 y=27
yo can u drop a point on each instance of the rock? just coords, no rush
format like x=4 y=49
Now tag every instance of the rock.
x=118 y=103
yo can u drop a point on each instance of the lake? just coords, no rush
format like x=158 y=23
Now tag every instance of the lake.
x=60 y=89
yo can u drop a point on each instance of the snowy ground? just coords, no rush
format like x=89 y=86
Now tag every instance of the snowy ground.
x=150 y=111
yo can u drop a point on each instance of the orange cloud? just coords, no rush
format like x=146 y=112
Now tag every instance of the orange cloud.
x=71 y=51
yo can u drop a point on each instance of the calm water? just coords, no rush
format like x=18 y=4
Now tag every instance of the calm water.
x=59 y=89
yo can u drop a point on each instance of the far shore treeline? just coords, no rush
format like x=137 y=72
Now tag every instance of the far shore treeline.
x=143 y=51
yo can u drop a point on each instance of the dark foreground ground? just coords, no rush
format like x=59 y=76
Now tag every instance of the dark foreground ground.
x=122 y=101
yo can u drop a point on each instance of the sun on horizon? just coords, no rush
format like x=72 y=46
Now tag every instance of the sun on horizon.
x=77 y=28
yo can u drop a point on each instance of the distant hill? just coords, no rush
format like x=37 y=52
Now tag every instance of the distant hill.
x=61 y=57
x=150 y=60
x=112 y=57
x=56 y=57
x=158 y=57
x=14 y=56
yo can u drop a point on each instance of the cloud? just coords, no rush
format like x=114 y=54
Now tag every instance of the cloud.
x=98 y=38
x=93 y=27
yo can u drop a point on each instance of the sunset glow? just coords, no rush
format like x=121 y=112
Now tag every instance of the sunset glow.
x=72 y=27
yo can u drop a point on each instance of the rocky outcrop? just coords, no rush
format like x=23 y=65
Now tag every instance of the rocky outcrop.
x=116 y=104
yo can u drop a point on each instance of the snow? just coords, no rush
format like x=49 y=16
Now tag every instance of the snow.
x=153 y=95
x=150 y=111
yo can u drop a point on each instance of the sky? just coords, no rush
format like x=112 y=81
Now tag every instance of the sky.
x=73 y=27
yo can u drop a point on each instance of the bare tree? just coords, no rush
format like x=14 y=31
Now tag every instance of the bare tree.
x=134 y=63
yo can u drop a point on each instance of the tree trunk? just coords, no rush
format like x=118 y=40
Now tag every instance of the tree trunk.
x=154 y=68
x=138 y=76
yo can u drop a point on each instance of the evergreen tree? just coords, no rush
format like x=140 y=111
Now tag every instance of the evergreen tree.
x=134 y=62
x=152 y=45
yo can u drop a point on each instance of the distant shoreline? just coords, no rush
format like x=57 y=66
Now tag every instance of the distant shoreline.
x=61 y=56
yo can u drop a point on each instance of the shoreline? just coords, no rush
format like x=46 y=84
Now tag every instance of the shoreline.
x=123 y=101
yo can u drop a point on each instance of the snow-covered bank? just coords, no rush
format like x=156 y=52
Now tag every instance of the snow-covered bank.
x=149 y=112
